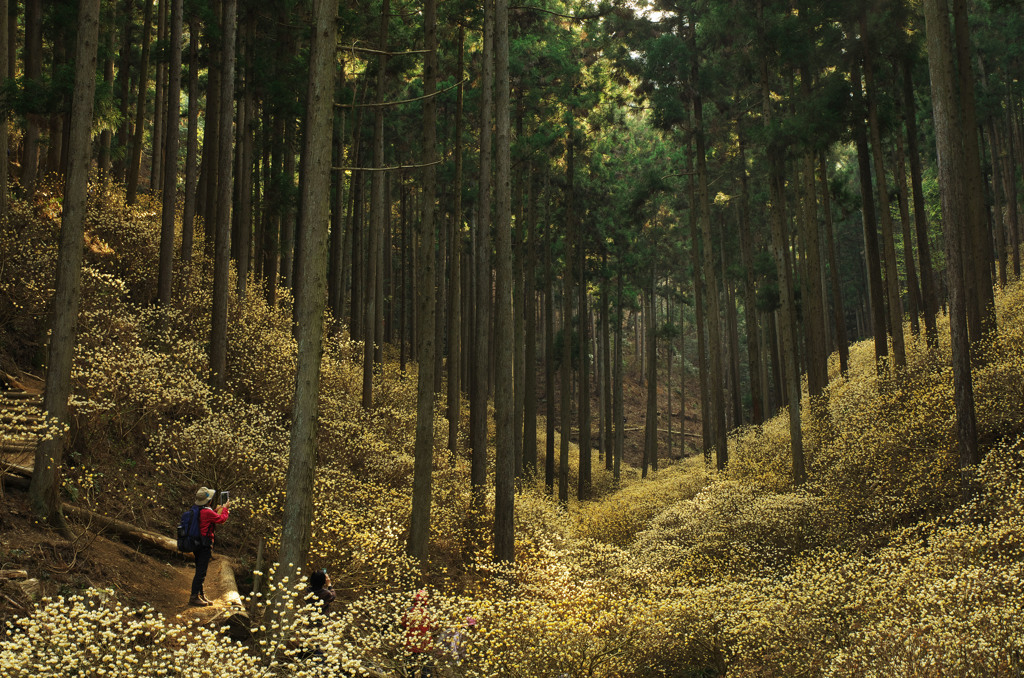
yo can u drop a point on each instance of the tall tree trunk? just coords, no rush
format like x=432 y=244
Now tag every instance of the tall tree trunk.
x=140 y=107
x=455 y=345
x=440 y=303
x=549 y=357
x=33 y=63
x=419 y=531
x=222 y=238
x=913 y=289
x=813 y=310
x=997 y=206
x=4 y=127
x=1010 y=195
x=1010 y=186
x=246 y=132
x=668 y=370
x=479 y=386
x=312 y=294
x=749 y=297
x=44 y=490
x=160 y=101
x=788 y=349
x=192 y=142
x=12 y=39
x=838 y=310
x=698 y=304
x=871 y=252
x=778 y=380
x=713 y=313
x=682 y=387
x=978 y=262
x=651 y=365
x=618 y=413
x=732 y=322
x=892 y=282
x=336 y=257
x=386 y=319
x=606 y=442
x=170 y=187
x=953 y=188
x=103 y=160
x=123 y=84
x=405 y=271
x=206 y=198
x=530 y=312
x=585 y=472
x=358 y=255
x=565 y=408
x=781 y=251
x=261 y=161
x=272 y=231
x=288 y=218
x=504 y=405
x=518 y=310
x=929 y=294
x=377 y=217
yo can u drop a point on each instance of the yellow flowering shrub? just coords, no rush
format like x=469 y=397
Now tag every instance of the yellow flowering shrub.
x=876 y=566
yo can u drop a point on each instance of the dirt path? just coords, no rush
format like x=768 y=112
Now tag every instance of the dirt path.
x=138 y=575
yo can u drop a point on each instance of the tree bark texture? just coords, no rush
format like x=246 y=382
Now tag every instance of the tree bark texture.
x=455 y=291
x=312 y=294
x=222 y=236
x=482 y=256
x=953 y=188
x=134 y=168
x=892 y=282
x=192 y=142
x=713 y=316
x=419 y=530
x=505 y=339
x=170 y=184
x=377 y=216
x=928 y=288
x=44 y=490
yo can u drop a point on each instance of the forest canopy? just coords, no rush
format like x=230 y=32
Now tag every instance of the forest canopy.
x=658 y=339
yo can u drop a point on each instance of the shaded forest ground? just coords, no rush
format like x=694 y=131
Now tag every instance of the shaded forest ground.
x=109 y=468
x=140 y=575
x=876 y=566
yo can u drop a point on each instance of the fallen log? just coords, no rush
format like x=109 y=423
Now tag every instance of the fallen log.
x=237 y=618
x=13 y=574
x=12 y=467
x=16 y=482
x=124 y=529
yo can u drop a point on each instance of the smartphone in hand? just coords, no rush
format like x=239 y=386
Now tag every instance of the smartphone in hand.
x=225 y=497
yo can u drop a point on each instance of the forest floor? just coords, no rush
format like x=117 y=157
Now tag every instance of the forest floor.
x=141 y=575
x=136 y=575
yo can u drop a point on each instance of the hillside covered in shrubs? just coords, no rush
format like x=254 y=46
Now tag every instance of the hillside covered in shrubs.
x=877 y=566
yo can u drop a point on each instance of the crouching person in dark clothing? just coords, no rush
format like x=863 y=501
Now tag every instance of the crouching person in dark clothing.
x=320 y=589
x=319 y=594
x=208 y=520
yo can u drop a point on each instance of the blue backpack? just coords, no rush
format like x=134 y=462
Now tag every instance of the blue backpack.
x=189 y=537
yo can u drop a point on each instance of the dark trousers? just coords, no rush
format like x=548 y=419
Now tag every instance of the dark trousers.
x=203 y=556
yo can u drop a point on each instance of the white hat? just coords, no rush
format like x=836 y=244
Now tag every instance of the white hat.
x=203 y=496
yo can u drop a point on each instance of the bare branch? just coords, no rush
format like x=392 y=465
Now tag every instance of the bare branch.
x=384 y=169
x=386 y=104
x=571 y=17
x=367 y=50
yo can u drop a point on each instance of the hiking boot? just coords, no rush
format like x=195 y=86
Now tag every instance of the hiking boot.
x=197 y=601
x=202 y=597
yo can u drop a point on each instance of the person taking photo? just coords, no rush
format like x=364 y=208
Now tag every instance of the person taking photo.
x=208 y=521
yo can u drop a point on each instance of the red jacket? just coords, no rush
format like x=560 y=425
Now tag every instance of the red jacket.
x=418 y=629
x=208 y=518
